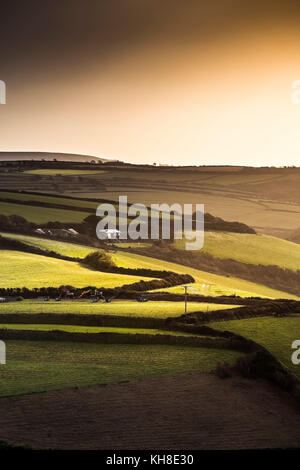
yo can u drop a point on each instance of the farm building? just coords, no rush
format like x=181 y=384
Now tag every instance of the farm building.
x=61 y=232
x=110 y=234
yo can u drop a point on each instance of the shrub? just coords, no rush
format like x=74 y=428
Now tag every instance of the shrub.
x=99 y=260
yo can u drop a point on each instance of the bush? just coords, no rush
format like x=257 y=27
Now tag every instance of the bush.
x=262 y=364
x=99 y=260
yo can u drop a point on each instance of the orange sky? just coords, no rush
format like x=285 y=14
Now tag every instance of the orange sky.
x=222 y=101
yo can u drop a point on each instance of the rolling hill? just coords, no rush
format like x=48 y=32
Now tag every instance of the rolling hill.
x=206 y=283
x=253 y=249
x=29 y=270
x=266 y=199
x=49 y=156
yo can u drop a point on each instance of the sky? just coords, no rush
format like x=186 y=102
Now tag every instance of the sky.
x=144 y=81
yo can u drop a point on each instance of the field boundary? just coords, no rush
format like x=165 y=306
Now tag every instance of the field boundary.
x=122 y=338
x=268 y=309
x=259 y=362
x=83 y=320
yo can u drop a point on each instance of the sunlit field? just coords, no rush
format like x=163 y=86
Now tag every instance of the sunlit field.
x=275 y=334
x=63 y=172
x=206 y=283
x=63 y=248
x=19 y=269
x=90 y=329
x=42 y=215
x=253 y=249
x=129 y=308
x=40 y=366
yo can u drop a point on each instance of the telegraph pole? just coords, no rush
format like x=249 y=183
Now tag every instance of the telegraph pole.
x=185 y=299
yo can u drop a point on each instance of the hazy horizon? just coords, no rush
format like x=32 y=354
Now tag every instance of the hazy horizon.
x=201 y=84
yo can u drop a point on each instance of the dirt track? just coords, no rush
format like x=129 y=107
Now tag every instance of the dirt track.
x=190 y=411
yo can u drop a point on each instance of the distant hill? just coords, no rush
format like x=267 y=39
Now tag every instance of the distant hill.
x=61 y=157
x=216 y=223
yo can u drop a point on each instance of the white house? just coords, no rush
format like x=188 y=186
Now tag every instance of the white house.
x=110 y=234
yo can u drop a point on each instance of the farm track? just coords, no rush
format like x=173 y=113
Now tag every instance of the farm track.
x=188 y=411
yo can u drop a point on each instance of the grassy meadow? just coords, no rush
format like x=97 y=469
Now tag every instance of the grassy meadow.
x=127 y=308
x=42 y=215
x=266 y=199
x=90 y=329
x=40 y=366
x=253 y=249
x=62 y=172
x=230 y=193
x=73 y=250
x=275 y=334
x=205 y=283
x=64 y=201
x=19 y=269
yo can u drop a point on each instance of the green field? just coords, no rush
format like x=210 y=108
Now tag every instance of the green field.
x=129 y=308
x=275 y=334
x=73 y=250
x=91 y=329
x=20 y=269
x=42 y=215
x=231 y=205
x=206 y=283
x=34 y=366
x=265 y=198
x=254 y=249
x=58 y=171
x=48 y=199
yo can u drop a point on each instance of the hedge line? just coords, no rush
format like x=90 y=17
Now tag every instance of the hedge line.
x=165 y=278
x=270 y=308
x=120 y=338
x=83 y=320
x=259 y=363
x=137 y=287
x=224 y=299
x=275 y=277
x=17 y=245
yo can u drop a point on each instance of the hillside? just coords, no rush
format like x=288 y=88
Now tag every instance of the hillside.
x=49 y=156
x=265 y=199
x=253 y=249
x=29 y=270
x=206 y=283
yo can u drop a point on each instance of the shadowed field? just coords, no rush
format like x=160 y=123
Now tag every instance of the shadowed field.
x=275 y=334
x=34 y=366
x=190 y=411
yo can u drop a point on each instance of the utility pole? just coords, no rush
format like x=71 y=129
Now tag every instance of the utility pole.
x=186 y=294
x=185 y=298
